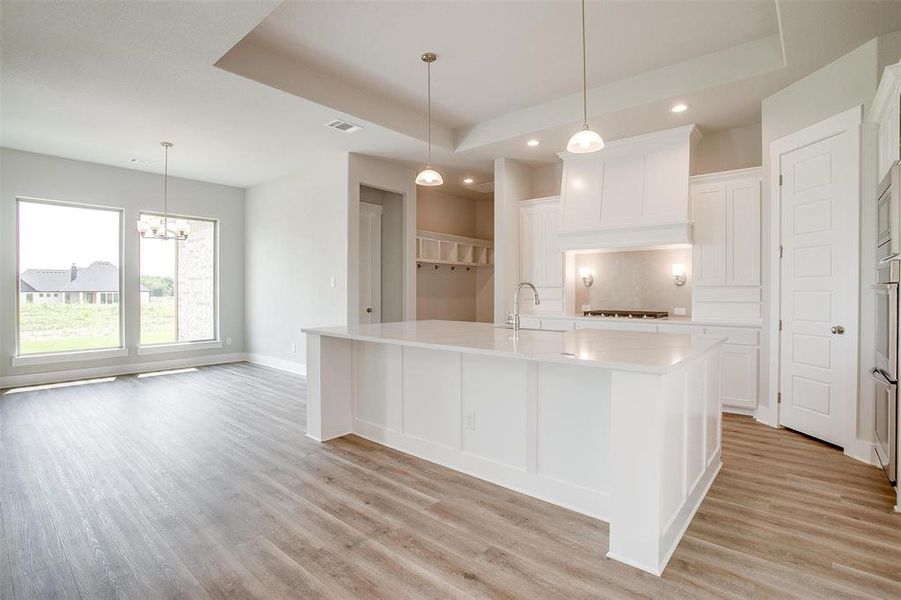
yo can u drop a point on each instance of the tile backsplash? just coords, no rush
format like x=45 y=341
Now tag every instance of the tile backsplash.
x=635 y=280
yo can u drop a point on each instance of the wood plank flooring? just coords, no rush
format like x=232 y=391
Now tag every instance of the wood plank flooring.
x=202 y=484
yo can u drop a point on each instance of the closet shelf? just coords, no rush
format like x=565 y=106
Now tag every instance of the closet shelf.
x=444 y=249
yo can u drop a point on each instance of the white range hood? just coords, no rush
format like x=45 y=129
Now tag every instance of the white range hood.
x=632 y=194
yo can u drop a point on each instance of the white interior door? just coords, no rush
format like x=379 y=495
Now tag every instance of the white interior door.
x=370 y=263
x=818 y=363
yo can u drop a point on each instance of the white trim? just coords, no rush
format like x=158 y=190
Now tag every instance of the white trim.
x=847 y=121
x=724 y=175
x=66 y=357
x=124 y=369
x=622 y=237
x=739 y=410
x=178 y=347
x=863 y=451
x=277 y=363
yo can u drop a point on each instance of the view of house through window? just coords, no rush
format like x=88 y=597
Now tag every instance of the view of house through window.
x=178 y=285
x=68 y=277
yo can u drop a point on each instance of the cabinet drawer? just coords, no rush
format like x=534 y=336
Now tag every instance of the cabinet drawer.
x=744 y=336
x=684 y=329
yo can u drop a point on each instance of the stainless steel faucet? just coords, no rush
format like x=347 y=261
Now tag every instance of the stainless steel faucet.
x=513 y=318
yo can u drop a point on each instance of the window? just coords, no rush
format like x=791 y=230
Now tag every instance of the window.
x=65 y=253
x=178 y=285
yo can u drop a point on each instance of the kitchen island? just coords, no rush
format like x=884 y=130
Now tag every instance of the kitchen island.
x=621 y=426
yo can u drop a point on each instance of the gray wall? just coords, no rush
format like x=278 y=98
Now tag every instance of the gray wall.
x=727 y=150
x=24 y=174
x=296 y=230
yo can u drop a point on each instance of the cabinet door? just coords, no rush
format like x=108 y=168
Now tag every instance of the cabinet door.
x=889 y=131
x=531 y=245
x=738 y=378
x=743 y=232
x=583 y=176
x=709 y=250
x=553 y=257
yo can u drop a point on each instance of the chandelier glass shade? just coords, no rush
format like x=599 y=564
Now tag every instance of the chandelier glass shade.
x=429 y=176
x=585 y=140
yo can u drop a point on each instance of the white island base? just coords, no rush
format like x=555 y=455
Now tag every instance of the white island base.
x=621 y=426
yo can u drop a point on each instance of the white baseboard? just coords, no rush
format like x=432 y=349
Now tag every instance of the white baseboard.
x=737 y=410
x=766 y=415
x=863 y=451
x=116 y=370
x=277 y=363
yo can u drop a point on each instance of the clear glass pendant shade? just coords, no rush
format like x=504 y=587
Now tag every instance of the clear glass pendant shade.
x=585 y=141
x=429 y=176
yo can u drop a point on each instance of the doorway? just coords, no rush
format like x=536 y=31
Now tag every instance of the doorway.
x=817 y=204
x=381 y=256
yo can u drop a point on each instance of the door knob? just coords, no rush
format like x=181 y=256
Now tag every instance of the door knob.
x=369 y=310
x=838 y=330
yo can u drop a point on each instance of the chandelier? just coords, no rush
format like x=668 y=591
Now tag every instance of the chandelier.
x=163 y=227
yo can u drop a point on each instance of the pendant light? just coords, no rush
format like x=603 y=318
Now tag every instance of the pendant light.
x=429 y=176
x=585 y=140
x=164 y=228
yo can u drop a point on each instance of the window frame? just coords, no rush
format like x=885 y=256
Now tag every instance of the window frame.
x=215 y=341
x=40 y=357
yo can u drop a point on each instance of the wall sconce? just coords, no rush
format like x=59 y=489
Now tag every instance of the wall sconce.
x=679 y=274
x=586 y=275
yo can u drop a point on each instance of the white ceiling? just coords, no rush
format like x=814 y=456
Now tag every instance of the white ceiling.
x=244 y=88
x=495 y=57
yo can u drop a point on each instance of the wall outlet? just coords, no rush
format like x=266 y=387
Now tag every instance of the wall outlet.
x=228 y=341
x=469 y=420
x=293 y=348
x=679 y=311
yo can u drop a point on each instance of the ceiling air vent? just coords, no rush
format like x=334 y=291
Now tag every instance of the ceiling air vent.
x=343 y=126
x=484 y=188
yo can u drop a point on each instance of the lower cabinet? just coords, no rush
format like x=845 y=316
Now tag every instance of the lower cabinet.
x=740 y=370
x=738 y=377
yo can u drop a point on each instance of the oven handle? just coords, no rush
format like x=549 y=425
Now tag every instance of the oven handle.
x=880 y=374
x=884 y=287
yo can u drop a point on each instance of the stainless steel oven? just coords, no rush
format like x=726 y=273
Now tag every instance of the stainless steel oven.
x=886 y=291
x=888 y=217
x=886 y=424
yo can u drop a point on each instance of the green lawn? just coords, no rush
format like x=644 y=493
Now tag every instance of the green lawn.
x=62 y=327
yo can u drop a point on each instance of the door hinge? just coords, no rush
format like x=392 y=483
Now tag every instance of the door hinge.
x=780 y=251
x=778 y=397
x=780 y=324
x=780 y=178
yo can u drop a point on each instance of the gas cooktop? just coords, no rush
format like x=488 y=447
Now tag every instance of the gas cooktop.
x=627 y=314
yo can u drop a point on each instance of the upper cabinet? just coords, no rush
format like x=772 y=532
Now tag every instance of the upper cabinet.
x=634 y=192
x=726 y=211
x=541 y=260
x=886 y=113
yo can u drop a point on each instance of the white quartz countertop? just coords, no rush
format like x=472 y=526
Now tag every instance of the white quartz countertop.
x=617 y=350
x=670 y=320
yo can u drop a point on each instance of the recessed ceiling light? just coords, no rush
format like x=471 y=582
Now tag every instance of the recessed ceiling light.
x=533 y=143
x=468 y=180
x=679 y=108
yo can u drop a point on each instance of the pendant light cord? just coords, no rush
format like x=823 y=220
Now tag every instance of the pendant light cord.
x=166 y=190
x=429 y=109
x=584 y=76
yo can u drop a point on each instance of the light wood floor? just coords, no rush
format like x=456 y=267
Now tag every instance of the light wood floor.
x=203 y=485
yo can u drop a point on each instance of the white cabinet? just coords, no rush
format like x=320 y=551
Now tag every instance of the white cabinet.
x=541 y=261
x=726 y=212
x=738 y=377
x=634 y=192
x=886 y=113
